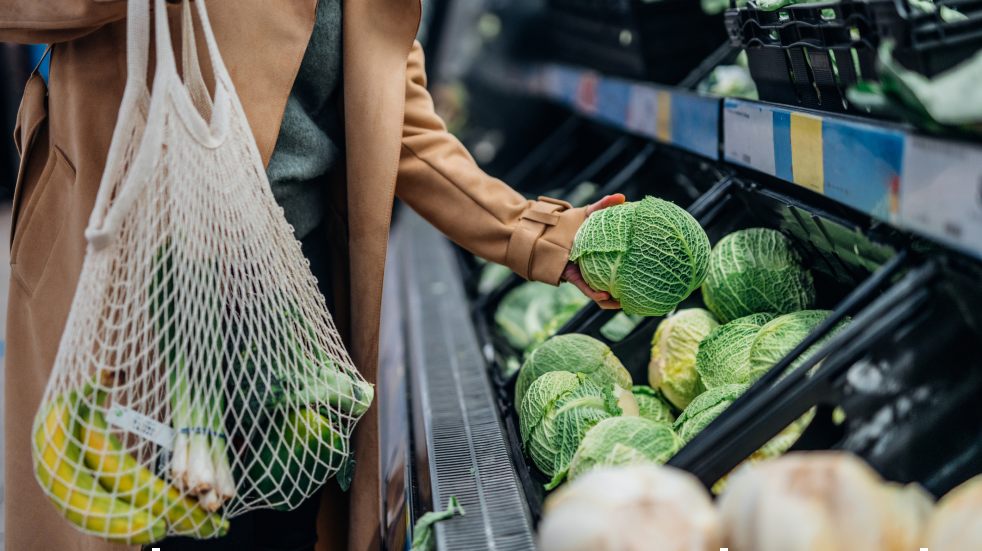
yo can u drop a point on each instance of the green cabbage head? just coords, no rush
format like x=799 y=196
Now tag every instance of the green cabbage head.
x=649 y=255
x=577 y=354
x=672 y=368
x=778 y=337
x=756 y=270
x=558 y=410
x=706 y=407
x=651 y=405
x=533 y=311
x=724 y=355
x=624 y=441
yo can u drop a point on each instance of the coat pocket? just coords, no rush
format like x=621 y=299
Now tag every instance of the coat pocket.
x=43 y=215
x=30 y=139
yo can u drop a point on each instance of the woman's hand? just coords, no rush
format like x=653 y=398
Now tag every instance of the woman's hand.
x=572 y=272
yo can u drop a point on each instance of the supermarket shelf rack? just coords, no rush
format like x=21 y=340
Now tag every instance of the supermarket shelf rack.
x=927 y=185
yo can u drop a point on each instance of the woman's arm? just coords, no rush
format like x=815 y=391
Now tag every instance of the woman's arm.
x=49 y=21
x=440 y=180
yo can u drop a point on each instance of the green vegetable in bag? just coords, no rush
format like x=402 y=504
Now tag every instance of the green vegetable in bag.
x=300 y=450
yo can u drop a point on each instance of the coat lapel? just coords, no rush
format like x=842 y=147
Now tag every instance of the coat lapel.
x=378 y=35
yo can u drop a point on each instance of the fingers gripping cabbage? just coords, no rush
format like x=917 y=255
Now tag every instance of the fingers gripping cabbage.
x=558 y=410
x=724 y=355
x=672 y=369
x=578 y=354
x=649 y=255
x=756 y=270
x=624 y=441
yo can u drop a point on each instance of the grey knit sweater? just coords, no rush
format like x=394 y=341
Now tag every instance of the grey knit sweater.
x=311 y=137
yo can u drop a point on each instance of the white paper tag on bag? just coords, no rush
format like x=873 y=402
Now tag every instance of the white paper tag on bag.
x=141 y=425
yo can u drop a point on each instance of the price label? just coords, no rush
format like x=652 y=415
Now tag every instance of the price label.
x=586 y=93
x=748 y=130
x=941 y=192
x=139 y=424
x=642 y=110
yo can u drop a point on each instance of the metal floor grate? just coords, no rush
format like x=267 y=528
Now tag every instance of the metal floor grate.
x=467 y=450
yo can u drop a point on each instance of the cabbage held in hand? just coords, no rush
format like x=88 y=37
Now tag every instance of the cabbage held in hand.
x=558 y=410
x=624 y=441
x=649 y=255
x=756 y=270
x=578 y=354
x=672 y=369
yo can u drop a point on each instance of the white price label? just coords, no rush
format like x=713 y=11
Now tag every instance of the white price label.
x=941 y=191
x=749 y=136
x=141 y=425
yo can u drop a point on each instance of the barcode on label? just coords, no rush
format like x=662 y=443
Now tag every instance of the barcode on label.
x=141 y=425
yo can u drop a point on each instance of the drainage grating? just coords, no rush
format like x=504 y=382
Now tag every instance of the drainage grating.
x=465 y=442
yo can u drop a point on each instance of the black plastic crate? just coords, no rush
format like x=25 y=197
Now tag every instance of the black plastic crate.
x=841 y=248
x=810 y=54
x=904 y=378
x=658 y=41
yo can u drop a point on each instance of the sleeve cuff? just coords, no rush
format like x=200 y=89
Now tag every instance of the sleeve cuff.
x=540 y=243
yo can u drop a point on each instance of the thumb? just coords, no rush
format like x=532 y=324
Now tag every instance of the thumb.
x=607 y=201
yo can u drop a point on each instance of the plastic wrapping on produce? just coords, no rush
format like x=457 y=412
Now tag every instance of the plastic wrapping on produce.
x=200 y=374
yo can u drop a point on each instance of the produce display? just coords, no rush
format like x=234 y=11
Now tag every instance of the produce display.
x=778 y=337
x=698 y=366
x=821 y=500
x=705 y=408
x=532 y=312
x=949 y=102
x=651 y=405
x=756 y=270
x=621 y=508
x=650 y=254
x=579 y=354
x=556 y=413
x=724 y=355
x=803 y=501
x=672 y=368
x=619 y=326
x=624 y=441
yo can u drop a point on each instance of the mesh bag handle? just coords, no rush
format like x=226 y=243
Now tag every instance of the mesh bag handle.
x=199 y=375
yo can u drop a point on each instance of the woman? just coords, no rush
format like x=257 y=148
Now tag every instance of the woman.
x=344 y=124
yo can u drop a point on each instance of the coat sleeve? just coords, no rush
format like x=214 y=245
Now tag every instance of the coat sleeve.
x=441 y=181
x=50 y=21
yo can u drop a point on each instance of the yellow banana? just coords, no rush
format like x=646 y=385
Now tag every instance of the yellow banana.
x=76 y=493
x=122 y=475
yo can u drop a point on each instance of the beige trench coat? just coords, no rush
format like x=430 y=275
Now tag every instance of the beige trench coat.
x=396 y=146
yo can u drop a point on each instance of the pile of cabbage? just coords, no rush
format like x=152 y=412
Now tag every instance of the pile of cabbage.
x=578 y=406
x=578 y=409
x=760 y=299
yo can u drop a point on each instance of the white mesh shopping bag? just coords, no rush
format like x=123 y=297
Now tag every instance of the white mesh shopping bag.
x=200 y=374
